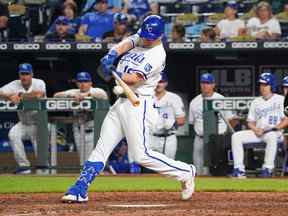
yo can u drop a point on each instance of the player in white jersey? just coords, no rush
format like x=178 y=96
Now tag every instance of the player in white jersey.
x=143 y=59
x=85 y=90
x=265 y=116
x=26 y=128
x=171 y=115
x=207 y=84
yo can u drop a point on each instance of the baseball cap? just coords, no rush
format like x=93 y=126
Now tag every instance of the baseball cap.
x=83 y=77
x=164 y=77
x=62 y=20
x=207 y=78
x=120 y=18
x=285 y=81
x=101 y=1
x=25 y=68
x=232 y=4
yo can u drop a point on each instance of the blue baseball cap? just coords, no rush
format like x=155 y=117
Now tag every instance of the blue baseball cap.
x=120 y=18
x=285 y=81
x=83 y=77
x=25 y=68
x=207 y=78
x=164 y=77
x=232 y=4
x=62 y=20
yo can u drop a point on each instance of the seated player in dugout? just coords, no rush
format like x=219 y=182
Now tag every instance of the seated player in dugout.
x=85 y=90
x=26 y=87
x=171 y=112
x=265 y=121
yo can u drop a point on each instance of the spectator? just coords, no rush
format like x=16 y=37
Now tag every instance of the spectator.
x=207 y=35
x=62 y=31
x=230 y=26
x=4 y=14
x=136 y=8
x=69 y=10
x=178 y=33
x=56 y=7
x=114 y=5
x=264 y=26
x=96 y=23
x=120 y=29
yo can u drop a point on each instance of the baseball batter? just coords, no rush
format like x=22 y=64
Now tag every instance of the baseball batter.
x=26 y=128
x=143 y=58
x=85 y=89
x=207 y=84
x=171 y=115
x=264 y=119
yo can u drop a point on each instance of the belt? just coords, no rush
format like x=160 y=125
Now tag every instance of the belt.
x=163 y=135
x=199 y=136
x=88 y=130
x=124 y=96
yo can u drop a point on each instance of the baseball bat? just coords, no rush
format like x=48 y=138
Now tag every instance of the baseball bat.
x=127 y=90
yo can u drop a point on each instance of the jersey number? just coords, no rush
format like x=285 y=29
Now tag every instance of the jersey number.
x=273 y=120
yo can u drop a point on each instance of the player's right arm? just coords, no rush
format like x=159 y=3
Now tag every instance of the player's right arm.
x=251 y=119
x=9 y=92
x=67 y=93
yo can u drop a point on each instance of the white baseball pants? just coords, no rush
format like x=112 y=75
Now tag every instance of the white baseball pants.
x=248 y=136
x=134 y=123
x=17 y=134
x=166 y=145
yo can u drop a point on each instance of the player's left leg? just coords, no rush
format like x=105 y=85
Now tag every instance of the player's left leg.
x=136 y=127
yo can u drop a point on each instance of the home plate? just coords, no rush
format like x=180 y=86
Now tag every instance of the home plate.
x=139 y=206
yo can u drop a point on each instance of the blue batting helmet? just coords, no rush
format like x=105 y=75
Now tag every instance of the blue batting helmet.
x=152 y=27
x=285 y=81
x=25 y=68
x=83 y=77
x=207 y=78
x=164 y=77
x=269 y=79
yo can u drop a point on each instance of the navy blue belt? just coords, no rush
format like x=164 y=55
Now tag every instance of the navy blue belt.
x=163 y=135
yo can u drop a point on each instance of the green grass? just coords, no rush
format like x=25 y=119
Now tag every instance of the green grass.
x=25 y=184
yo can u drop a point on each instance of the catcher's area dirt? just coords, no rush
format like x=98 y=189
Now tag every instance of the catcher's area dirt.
x=203 y=203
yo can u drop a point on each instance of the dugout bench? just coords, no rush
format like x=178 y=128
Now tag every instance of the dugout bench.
x=217 y=148
x=47 y=148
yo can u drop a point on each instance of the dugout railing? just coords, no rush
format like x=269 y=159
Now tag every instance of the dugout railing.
x=217 y=148
x=46 y=161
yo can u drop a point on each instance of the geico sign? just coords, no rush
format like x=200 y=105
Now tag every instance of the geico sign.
x=7 y=105
x=58 y=46
x=247 y=45
x=68 y=105
x=181 y=45
x=3 y=46
x=26 y=46
x=275 y=45
x=231 y=104
x=212 y=45
x=91 y=46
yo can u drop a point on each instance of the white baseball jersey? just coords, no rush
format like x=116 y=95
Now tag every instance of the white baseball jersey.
x=169 y=107
x=272 y=26
x=230 y=28
x=15 y=87
x=95 y=92
x=148 y=62
x=266 y=113
x=196 y=114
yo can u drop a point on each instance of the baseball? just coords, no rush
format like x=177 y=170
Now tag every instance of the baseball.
x=117 y=90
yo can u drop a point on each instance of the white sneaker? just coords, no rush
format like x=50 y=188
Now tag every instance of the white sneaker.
x=188 y=186
x=70 y=198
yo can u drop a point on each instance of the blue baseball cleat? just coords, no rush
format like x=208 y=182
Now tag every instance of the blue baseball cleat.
x=266 y=173
x=76 y=194
x=237 y=173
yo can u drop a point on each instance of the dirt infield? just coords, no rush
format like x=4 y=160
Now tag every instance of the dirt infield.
x=148 y=203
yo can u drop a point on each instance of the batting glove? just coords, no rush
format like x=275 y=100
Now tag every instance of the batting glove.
x=108 y=60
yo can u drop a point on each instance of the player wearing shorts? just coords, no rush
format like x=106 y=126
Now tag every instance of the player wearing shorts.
x=265 y=117
x=171 y=115
x=85 y=89
x=141 y=62
x=26 y=128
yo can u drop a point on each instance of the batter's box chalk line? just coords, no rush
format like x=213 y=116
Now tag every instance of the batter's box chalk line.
x=139 y=205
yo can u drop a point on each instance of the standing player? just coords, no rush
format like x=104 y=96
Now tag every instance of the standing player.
x=171 y=115
x=207 y=84
x=265 y=117
x=143 y=58
x=26 y=128
x=285 y=133
x=85 y=89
